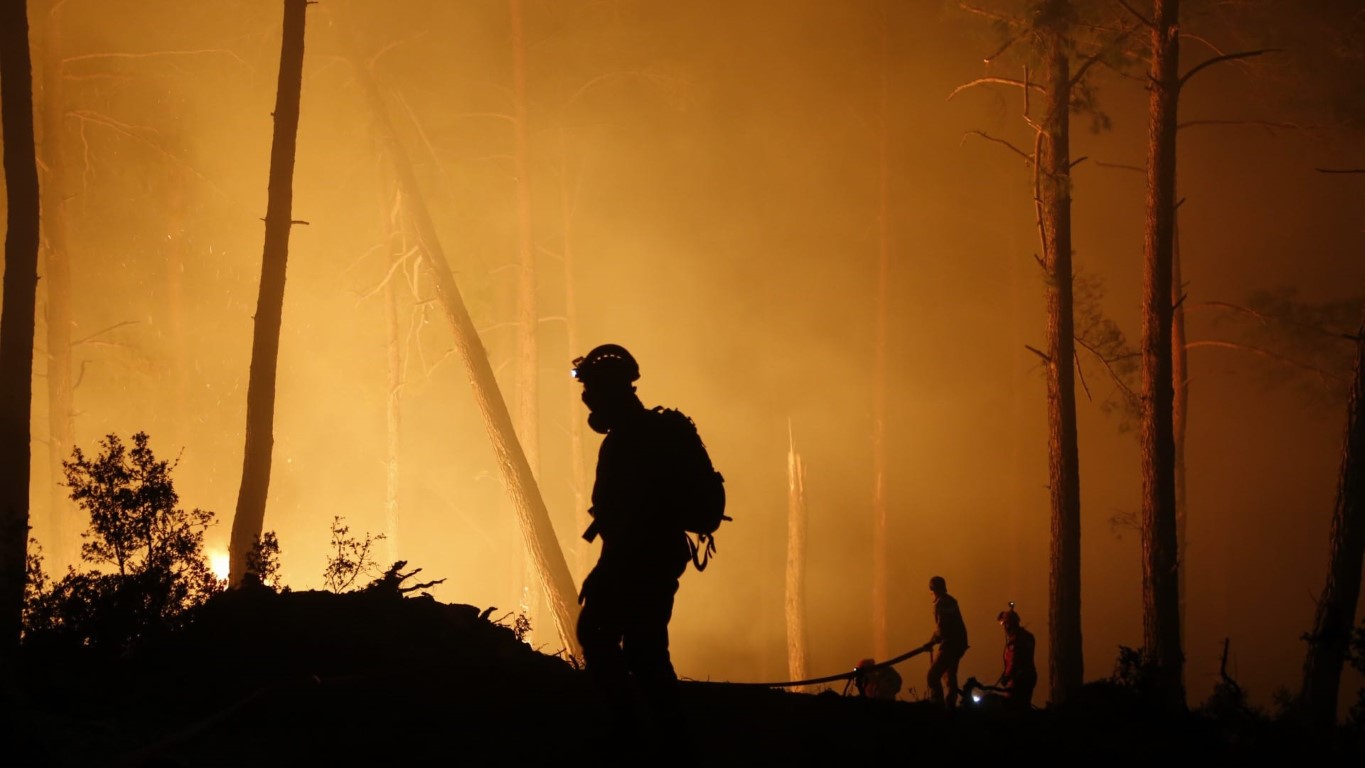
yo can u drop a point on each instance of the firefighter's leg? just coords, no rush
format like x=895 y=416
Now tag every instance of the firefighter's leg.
x=936 y=671
x=599 y=633
x=646 y=651
x=950 y=670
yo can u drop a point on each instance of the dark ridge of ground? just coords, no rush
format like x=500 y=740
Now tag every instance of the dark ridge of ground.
x=375 y=678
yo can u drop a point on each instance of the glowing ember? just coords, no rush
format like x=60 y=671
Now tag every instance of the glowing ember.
x=218 y=563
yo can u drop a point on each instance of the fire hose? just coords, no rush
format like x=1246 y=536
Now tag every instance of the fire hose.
x=843 y=675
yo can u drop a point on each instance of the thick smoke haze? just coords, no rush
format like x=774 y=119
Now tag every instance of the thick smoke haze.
x=703 y=180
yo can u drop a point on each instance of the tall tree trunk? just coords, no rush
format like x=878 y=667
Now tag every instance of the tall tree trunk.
x=265 y=343
x=1335 y=618
x=528 y=313
x=532 y=516
x=1065 y=657
x=393 y=411
x=16 y=316
x=1180 y=385
x=880 y=545
x=578 y=468
x=796 y=562
x=64 y=544
x=1160 y=563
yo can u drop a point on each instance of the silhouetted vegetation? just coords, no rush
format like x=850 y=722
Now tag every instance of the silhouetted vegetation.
x=263 y=562
x=350 y=559
x=145 y=555
x=1356 y=718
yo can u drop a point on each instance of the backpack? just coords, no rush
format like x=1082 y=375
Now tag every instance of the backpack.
x=699 y=492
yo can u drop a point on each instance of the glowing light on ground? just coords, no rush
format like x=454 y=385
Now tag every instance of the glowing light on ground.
x=218 y=563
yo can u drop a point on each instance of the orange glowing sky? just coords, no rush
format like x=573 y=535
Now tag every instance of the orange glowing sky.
x=710 y=169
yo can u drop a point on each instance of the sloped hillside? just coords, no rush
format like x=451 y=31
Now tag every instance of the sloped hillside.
x=376 y=678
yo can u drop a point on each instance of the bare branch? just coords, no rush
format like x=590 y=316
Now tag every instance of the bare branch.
x=96 y=334
x=1039 y=353
x=1207 y=43
x=645 y=75
x=1258 y=123
x=1027 y=157
x=1220 y=344
x=1078 y=161
x=493 y=115
x=397 y=263
x=1220 y=59
x=1081 y=374
x=994 y=81
x=1121 y=166
x=1340 y=170
x=1080 y=72
x=125 y=129
x=149 y=55
x=1002 y=49
x=992 y=15
x=1106 y=362
x=1265 y=319
x=1136 y=14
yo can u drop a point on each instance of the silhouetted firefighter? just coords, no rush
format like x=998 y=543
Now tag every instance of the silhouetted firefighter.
x=950 y=635
x=1013 y=692
x=647 y=479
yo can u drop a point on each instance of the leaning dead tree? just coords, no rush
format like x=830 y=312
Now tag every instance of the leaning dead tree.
x=532 y=516
x=17 y=315
x=1329 y=642
x=249 y=519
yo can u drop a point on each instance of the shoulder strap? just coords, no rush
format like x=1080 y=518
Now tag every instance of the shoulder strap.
x=701 y=549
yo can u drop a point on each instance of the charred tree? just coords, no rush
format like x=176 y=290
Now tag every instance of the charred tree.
x=249 y=519
x=528 y=315
x=880 y=545
x=796 y=562
x=1065 y=658
x=1160 y=562
x=393 y=399
x=17 y=314
x=1329 y=642
x=1180 y=399
x=577 y=464
x=1050 y=28
x=64 y=544
x=532 y=516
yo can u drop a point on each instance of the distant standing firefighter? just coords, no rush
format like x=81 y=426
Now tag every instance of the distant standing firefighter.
x=628 y=597
x=950 y=635
x=1020 y=676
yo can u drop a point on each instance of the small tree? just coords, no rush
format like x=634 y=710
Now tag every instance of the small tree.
x=134 y=522
x=350 y=558
x=263 y=562
x=155 y=548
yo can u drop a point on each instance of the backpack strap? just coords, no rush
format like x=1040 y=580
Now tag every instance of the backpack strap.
x=701 y=549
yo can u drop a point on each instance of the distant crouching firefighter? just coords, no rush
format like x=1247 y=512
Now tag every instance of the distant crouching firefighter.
x=1020 y=675
x=950 y=635
x=644 y=467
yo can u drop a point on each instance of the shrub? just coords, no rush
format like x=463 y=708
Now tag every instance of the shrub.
x=146 y=554
x=350 y=558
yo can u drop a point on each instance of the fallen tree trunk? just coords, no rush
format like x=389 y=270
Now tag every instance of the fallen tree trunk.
x=532 y=516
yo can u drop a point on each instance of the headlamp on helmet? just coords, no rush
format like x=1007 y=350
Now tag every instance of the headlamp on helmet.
x=608 y=363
